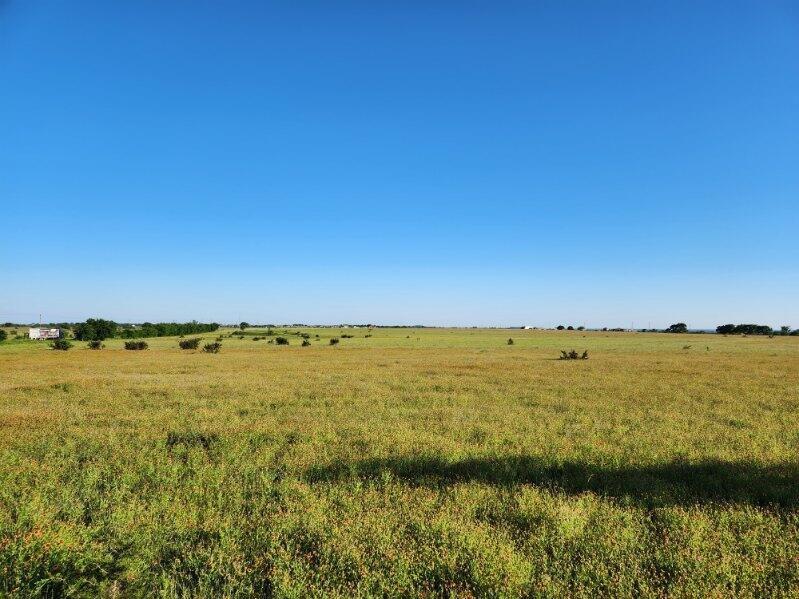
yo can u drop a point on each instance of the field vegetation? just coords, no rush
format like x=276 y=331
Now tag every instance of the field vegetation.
x=446 y=462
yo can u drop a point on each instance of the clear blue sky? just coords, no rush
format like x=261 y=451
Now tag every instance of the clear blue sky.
x=443 y=163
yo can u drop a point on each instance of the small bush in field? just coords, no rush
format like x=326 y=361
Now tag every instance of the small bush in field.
x=61 y=344
x=334 y=341
x=305 y=343
x=191 y=439
x=510 y=341
x=212 y=348
x=347 y=336
x=573 y=355
x=135 y=345
x=95 y=344
x=281 y=341
x=190 y=343
x=367 y=336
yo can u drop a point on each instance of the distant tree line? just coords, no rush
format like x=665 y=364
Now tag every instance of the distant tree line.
x=167 y=329
x=98 y=329
x=748 y=329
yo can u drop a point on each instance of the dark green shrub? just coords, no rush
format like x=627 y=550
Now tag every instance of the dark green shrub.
x=3 y=335
x=191 y=439
x=281 y=341
x=334 y=341
x=573 y=355
x=193 y=343
x=570 y=328
x=61 y=344
x=136 y=345
x=95 y=344
x=510 y=341
x=347 y=336
x=561 y=327
x=212 y=348
x=679 y=327
x=367 y=336
x=305 y=343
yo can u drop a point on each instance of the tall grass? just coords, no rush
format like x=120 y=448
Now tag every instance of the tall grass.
x=456 y=465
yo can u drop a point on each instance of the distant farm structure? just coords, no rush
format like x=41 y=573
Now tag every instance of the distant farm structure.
x=40 y=333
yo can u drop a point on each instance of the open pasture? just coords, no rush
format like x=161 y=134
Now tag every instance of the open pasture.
x=414 y=462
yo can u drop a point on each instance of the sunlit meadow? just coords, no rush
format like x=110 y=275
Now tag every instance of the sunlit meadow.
x=402 y=462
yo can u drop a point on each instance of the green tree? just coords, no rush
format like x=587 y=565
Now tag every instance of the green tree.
x=3 y=335
x=679 y=327
x=95 y=329
x=244 y=325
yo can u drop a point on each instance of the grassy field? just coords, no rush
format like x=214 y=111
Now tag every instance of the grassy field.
x=409 y=463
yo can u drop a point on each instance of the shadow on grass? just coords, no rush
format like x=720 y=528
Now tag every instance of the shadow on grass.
x=672 y=483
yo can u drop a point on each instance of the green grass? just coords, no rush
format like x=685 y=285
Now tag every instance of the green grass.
x=410 y=463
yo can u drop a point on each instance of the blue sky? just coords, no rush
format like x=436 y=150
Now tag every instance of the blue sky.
x=447 y=163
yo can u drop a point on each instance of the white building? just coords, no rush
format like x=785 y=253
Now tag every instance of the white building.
x=44 y=333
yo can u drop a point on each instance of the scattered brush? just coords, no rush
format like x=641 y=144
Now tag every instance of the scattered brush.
x=305 y=343
x=334 y=341
x=190 y=343
x=510 y=341
x=686 y=347
x=281 y=341
x=573 y=355
x=191 y=439
x=95 y=344
x=136 y=345
x=212 y=348
x=61 y=344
